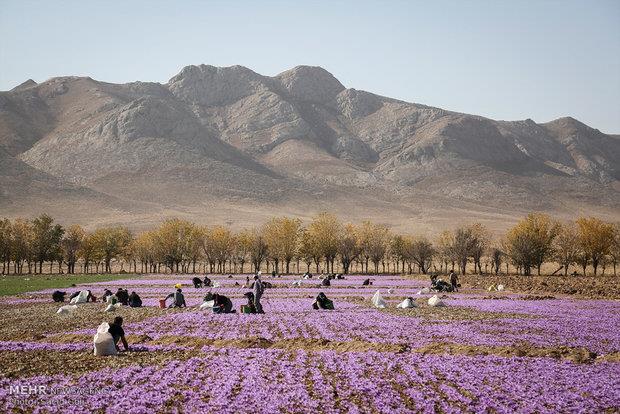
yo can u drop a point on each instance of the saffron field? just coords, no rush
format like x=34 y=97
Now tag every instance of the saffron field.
x=496 y=352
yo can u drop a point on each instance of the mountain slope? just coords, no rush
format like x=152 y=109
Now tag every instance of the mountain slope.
x=215 y=143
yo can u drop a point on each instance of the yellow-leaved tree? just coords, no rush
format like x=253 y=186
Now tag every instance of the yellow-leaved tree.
x=596 y=239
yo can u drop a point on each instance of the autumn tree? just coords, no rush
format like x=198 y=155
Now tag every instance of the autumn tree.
x=566 y=246
x=480 y=244
x=324 y=231
x=21 y=244
x=463 y=244
x=614 y=251
x=71 y=245
x=377 y=243
x=398 y=252
x=5 y=244
x=310 y=250
x=46 y=237
x=144 y=251
x=596 y=238
x=348 y=248
x=530 y=242
x=173 y=242
x=223 y=245
x=496 y=255
x=258 y=250
x=110 y=243
x=243 y=247
x=282 y=238
x=445 y=248
x=422 y=252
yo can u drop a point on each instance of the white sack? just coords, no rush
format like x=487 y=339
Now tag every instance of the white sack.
x=378 y=301
x=112 y=307
x=435 y=301
x=406 y=304
x=81 y=298
x=103 y=341
x=207 y=305
x=67 y=309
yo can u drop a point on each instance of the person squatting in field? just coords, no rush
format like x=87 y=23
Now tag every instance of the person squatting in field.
x=178 y=299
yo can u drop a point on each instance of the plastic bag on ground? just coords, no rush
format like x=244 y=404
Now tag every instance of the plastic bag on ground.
x=81 y=298
x=216 y=284
x=390 y=291
x=207 y=305
x=406 y=304
x=435 y=301
x=492 y=288
x=424 y=291
x=297 y=283
x=500 y=288
x=112 y=307
x=103 y=341
x=378 y=301
x=67 y=309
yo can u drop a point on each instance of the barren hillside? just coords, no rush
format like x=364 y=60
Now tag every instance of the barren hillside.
x=231 y=145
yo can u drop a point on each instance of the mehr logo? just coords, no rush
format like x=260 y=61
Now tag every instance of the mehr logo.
x=28 y=389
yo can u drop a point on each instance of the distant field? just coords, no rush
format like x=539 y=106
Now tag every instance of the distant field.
x=15 y=284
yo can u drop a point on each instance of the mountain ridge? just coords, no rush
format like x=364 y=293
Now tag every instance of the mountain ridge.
x=214 y=139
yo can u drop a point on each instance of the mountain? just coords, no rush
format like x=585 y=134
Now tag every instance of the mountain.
x=231 y=145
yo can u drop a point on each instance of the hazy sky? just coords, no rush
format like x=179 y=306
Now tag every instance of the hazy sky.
x=502 y=59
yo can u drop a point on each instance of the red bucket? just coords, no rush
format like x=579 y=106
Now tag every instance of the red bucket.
x=162 y=303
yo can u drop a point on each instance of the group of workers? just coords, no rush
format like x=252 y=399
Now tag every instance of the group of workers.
x=223 y=304
x=440 y=285
x=121 y=296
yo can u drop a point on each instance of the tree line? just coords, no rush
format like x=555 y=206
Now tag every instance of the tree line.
x=325 y=244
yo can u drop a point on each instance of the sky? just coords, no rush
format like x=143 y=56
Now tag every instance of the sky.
x=502 y=59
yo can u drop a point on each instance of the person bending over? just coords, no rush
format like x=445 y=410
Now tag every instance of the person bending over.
x=118 y=334
x=58 y=296
x=134 y=300
x=178 y=299
x=321 y=302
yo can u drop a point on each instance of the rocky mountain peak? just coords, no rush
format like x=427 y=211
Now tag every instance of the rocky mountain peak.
x=310 y=83
x=25 y=85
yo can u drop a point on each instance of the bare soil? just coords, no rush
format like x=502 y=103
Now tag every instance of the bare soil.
x=580 y=286
x=578 y=355
x=47 y=362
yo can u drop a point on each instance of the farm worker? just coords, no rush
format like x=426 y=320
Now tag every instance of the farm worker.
x=178 y=299
x=122 y=296
x=118 y=334
x=106 y=293
x=134 y=300
x=58 y=296
x=258 y=293
x=322 y=302
x=454 y=281
x=222 y=304
x=89 y=296
x=207 y=281
x=366 y=282
x=197 y=282
x=250 y=305
x=325 y=282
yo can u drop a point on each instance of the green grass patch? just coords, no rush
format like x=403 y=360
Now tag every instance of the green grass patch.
x=15 y=284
